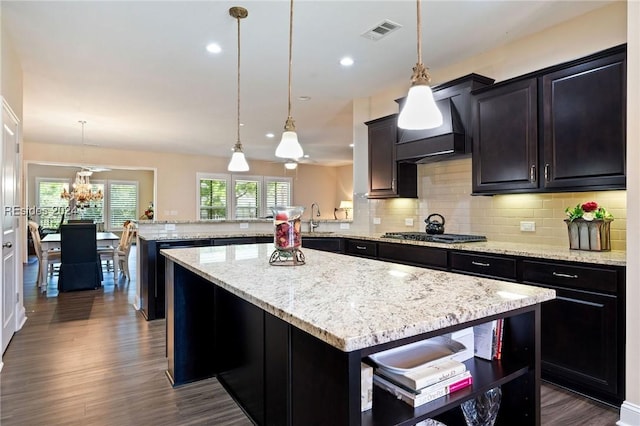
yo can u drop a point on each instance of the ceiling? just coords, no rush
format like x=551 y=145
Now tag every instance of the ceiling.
x=138 y=73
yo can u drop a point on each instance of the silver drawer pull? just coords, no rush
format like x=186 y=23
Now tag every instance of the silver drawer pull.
x=361 y=247
x=558 y=274
x=473 y=262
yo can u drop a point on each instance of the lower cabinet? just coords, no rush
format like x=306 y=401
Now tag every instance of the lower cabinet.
x=152 y=280
x=483 y=265
x=430 y=257
x=582 y=337
x=361 y=248
x=335 y=245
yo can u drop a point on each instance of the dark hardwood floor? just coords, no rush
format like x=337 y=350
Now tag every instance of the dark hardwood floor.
x=89 y=358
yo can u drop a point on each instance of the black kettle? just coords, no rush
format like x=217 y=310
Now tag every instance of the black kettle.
x=434 y=226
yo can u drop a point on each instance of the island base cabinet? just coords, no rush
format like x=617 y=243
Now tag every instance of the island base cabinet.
x=282 y=375
x=190 y=325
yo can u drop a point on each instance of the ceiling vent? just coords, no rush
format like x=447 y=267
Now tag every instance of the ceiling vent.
x=381 y=30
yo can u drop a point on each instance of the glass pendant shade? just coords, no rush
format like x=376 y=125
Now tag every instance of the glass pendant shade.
x=238 y=163
x=420 y=110
x=289 y=147
x=290 y=165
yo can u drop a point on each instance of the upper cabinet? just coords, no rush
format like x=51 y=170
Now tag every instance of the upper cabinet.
x=559 y=129
x=387 y=177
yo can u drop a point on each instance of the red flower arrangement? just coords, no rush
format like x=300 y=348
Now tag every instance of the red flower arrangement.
x=588 y=211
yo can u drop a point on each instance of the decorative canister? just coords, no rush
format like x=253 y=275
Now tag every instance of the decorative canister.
x=287 y=238
x=592 y=235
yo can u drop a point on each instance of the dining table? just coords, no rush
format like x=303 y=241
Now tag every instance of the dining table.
x=53 y=241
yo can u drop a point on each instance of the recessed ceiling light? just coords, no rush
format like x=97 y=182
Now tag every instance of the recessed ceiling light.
x=351 y=145
x=214 y=48
x=306 y=156
x=242 y=124
x=346 y=61
x=270 y=135
x=304 y=98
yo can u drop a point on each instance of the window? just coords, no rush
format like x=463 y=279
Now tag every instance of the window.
x=246 y=198
x=278 y=192
x=123 y=203
x=223 y=196
x=120 y=203
x=52 y=207
x=213 y=197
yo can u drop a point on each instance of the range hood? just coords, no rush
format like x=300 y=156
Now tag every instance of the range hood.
x=454 y=136
x=421 y=146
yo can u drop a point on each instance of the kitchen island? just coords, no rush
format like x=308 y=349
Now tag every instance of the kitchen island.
x=287 y=342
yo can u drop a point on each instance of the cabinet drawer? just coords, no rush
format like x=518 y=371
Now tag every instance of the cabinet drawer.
x=232 y=241
x=413 y=255
x=361 y=248
x=571 y=276
x=326 y=244
x=492 y=266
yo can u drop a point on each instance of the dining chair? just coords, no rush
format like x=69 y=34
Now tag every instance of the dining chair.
x=80 y=267
x=120 y=253
x=54 y=254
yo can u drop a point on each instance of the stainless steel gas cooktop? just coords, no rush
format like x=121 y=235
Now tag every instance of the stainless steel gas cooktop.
x=436 y=238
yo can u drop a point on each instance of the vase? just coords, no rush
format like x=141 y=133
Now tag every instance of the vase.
x=483 y=410
x=287 y=224
x=592 y=235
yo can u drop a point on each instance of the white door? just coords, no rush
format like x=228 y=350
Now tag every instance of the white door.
x=10 y=223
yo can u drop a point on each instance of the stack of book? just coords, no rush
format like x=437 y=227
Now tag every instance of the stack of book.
x=488 y=339
x=423 y=384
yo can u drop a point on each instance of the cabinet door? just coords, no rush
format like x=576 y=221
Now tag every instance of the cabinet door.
x=585 y=125
x=505 y=142
x=325 y=244
x=388 y=178
x=430 y=257
x=579 y=342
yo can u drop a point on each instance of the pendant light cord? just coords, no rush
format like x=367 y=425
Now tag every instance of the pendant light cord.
x=418 y=14
x=290 y=53
x=238 y=112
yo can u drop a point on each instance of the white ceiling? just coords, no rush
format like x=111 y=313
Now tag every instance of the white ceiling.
x=139 y=74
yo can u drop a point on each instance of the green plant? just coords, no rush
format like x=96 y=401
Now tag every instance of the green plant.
x=587 y=211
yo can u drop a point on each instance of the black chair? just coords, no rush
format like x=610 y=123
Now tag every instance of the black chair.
x=75 y=221
x=80 y=263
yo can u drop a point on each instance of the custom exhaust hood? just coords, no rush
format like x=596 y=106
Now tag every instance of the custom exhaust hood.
x=454 y=136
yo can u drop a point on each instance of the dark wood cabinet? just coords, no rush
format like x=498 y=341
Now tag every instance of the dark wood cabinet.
x=430 y=257
x=562 y=128
x=483 y=265
x=387 y=177
x=152 y=280
x=152 y=264
x=505 y=144
x=582 y=329
x=361 y=248
x=335 y=245
x=584 y=124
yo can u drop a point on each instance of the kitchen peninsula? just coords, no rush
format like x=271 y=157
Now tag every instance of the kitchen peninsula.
x=287 y=342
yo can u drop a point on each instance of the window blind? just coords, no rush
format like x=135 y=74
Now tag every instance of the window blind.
x=123 y=203
x=247 y=200
x=51 y=205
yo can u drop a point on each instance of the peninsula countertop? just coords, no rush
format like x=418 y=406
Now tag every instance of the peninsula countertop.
x=353 y=303
x=540 y=251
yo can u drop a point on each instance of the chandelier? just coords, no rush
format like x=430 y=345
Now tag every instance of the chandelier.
x=82 y=192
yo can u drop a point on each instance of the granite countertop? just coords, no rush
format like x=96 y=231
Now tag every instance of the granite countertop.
x=353 y=303
x=544 y=252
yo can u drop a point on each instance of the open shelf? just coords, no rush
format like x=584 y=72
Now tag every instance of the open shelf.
x=387 y=410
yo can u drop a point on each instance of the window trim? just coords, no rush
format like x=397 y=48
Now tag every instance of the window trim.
x=231 y=199
x=40 y=179
x=211 y=176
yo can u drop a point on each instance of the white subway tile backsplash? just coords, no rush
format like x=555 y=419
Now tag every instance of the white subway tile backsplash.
x=445 y=188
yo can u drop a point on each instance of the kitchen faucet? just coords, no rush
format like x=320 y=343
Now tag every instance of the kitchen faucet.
x=313 y=225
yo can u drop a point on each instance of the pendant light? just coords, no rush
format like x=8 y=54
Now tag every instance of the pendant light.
x=238 y=163
x=289 y=146
x=420 y=110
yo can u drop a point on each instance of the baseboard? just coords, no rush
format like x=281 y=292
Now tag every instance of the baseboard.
x=629 y=414
x=21 y=317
